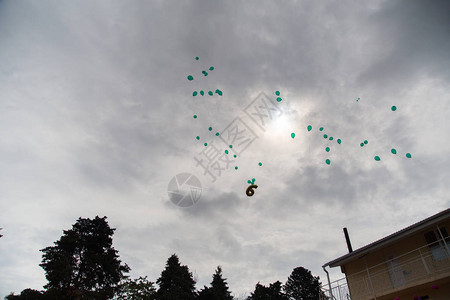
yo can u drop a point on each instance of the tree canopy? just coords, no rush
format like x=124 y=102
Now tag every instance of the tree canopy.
x=175 y=282
x=83 y=264
x=136 y=289
x=272 y=292
x=302 y=285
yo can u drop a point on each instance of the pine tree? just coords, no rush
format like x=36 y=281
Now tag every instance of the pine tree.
x=83 y=264
x=176 y=282
x=219 y=286
x=302 y=285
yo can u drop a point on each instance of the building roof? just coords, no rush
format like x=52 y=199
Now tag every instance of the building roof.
x=443 y=215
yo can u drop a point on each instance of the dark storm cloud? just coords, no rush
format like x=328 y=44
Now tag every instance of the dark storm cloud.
x=417 y=41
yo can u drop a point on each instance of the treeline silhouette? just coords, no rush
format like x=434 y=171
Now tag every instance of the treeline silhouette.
x=82 y=264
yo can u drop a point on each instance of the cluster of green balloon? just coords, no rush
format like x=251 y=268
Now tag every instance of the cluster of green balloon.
x=325 y=136
x=201 y=92
x=393 y=150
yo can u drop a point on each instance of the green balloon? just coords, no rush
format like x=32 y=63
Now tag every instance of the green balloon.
x=327 y=149
x=339 y=141
x=217 y=134
x=292 y=135
x=393 y=151
x=366 y=142
x=211 y=68
x=202 y=93
x=279 y=99
x=277 y=93
x=196 y=58
x=226 y=151
x=194 y=93
x=195 y=116
x=309 y=127
x=394 y=108
x=408 y=155
x=377 y=158
x=206 y=144
x=236 y=168
x=197 y=137
x=362 y=144
x=190 y=77
x=331 y=138
x=260 y=164
x=325 y=136
x=321 y=128
x=210 y=128
x=327 y=161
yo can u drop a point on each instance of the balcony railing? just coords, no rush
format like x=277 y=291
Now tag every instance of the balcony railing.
x=339 y=289
x=419 y=266
x=422 y=265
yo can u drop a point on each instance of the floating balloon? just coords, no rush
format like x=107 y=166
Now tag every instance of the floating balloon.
x=309 y=127
x=210 y=128
x=408 y=155
x=190 y=77
x=226 y=151
x=325 y=136
x=202 y=93
x=260 y=164
x=279 y=99
x=377 y=158
x=394 y=108
x=194 y=93
x=205 y=73
x=327 y=149
x=250 y=190
x=277 y=93
x=331 y=138
x=328 y=161
x=206 y=144
x=211 y=68
x=236 y=168
x=321 y=128
x=210 y=93
x=197 y=137
x=217 y=134
x=197 y=58
x=292 y=135
x=339 y=141
x=393 y=151
x=366 y=142
x=195 y=116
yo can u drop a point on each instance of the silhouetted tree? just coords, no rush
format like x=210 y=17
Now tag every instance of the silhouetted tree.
x=83 y=264
x=26 y=294
x=176 y=282
x=272 y=292
x=302 y=285
x=205 y=294
x=218 y=290
x=137 y=289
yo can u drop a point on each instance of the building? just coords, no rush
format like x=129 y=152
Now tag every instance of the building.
x=413 y=263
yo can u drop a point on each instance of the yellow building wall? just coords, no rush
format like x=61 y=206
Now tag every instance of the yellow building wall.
x=412 y=267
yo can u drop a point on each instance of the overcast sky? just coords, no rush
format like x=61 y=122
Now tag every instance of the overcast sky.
x=96 y=117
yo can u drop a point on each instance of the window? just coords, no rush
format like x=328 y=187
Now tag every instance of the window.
x=436 y=244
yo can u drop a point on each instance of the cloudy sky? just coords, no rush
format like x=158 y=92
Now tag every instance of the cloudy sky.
x=97 y=118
